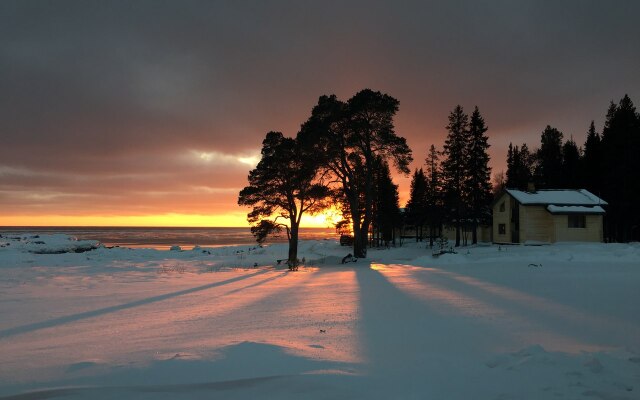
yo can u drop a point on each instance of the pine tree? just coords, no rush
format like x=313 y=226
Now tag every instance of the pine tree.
x=478 y=179
x=387 y=209
x=416 y=206
x=526 y=167
x=548 y=172
x=454 y=167
x=611 y=113
x=519 y=167
x=347 y=138
x=282 y=187
x=621 y=187
x=433 y=195
x=511 y=166
x=571 y=178
x=592 y=162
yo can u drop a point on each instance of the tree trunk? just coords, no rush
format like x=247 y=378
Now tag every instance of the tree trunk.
x=358 y=246
x=431 y=233
x=393 y=236
x=364 y=232
x=458 y=219
x=474 y=232
x=363 y=250
x=293 y=248
x=359 y=239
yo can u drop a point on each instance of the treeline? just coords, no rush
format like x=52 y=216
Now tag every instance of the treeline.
x=455 y=189
x=608 y=165
x=343 y=155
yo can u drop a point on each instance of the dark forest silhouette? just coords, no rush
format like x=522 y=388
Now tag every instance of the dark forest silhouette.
x=343 y=152
x=608 y=165
x=456 y=189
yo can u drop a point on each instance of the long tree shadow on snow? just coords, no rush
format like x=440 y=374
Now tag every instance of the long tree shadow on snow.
x=405 y=340
x=106 y=310
x=569 y=326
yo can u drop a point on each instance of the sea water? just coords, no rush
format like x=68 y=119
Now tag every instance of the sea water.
x=164 y=238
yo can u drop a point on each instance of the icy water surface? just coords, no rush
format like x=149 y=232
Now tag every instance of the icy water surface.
x=164 y=238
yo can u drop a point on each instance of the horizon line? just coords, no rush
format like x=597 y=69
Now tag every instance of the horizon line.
x=144 y=227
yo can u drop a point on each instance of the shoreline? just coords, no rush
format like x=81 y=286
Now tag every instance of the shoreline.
x=166 y=237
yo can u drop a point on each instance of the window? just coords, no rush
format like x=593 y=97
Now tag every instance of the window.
x=502 y=207
x=502 y=229
x=577 y=221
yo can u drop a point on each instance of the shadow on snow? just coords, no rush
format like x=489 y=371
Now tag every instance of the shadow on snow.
x=106 y=310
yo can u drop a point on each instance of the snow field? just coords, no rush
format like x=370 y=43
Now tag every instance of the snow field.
x=521 y=322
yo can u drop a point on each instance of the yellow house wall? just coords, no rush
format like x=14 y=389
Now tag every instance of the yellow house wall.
x=484 y=233
x=502 y=217
x=591 y=233
x=536 y=224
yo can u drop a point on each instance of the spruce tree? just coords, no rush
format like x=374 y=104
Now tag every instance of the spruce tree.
x=416 y=206
x=592 y=163
x=511 y=166
x=478 y=180
x=548 y=172
x=433 y=195
x=387 y=209
x=519 y=167
x=571 y=177
x=526 y=167
x=621 y=187
x=454 y=167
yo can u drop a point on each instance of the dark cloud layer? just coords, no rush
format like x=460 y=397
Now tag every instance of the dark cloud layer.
x=154 y=102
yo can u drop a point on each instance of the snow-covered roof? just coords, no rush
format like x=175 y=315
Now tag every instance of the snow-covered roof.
x=558 y=197
x=553 y=209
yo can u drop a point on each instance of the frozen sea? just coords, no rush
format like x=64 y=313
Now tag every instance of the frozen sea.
x=164 y=237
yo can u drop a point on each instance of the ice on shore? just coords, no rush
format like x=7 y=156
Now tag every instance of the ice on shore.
x=47 y=244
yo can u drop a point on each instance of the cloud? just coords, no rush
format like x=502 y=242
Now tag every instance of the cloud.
x=217 y=158
x=127 y=99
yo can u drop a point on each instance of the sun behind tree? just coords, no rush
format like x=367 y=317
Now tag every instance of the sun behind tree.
x=282 y=187
x=349 y=139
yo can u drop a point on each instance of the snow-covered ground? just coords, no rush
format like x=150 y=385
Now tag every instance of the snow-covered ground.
x=516 y=322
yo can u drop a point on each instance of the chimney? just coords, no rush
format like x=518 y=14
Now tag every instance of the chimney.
x=531 y=187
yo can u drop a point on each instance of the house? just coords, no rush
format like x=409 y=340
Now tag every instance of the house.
x=547 y=216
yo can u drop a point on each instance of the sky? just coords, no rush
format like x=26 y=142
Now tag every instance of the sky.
x=152 y=113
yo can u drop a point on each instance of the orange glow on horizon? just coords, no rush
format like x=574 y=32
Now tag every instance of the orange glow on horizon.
x=234 y=219
x=161 y=220
x=326 y=219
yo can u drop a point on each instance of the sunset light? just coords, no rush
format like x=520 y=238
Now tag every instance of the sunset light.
x=236 y=219
x=175 y=220
x=319 y=200
x=326 y=219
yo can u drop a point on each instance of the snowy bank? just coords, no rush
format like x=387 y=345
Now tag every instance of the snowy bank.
x=47 y=244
